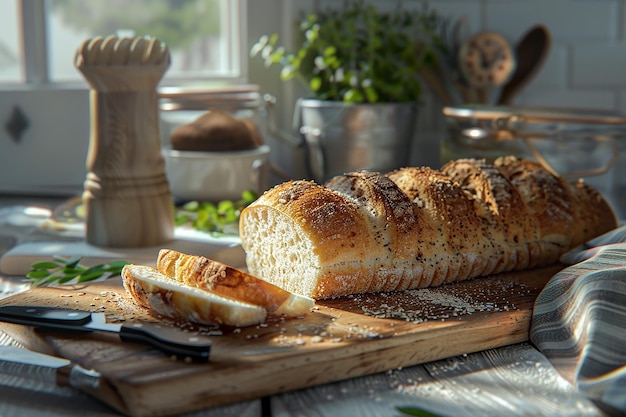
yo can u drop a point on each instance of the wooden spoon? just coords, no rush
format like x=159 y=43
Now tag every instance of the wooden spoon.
x=531 y=50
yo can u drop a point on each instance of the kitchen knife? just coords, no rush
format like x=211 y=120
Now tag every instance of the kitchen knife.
x=27 y=365
x=170 y=340
x=23 y=369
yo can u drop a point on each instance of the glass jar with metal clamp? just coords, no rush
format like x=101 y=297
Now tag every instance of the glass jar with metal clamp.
x=571 y=143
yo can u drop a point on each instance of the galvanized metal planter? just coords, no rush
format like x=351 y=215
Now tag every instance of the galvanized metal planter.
x=341 y=137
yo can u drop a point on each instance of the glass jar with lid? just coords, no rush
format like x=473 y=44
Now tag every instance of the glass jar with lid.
x=182 y=105
x=215 y=175
x=574 y=143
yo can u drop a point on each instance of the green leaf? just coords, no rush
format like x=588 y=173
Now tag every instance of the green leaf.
x=181 y=219
x=66 y=278
x=353 y=96
x=225 y=206
x=72 y=262
x=208 y=207
x=191 y=206
x=287 y=73
x=38 y=274
x=90 y=276
x=96 y=269
x=320 y=64
x=47 y=281
x=45 y=265
x=256 y=48
x=204 y=222
x=117 y=265
x=71 y=270
x=315 y=84
x=416 y=412
x=278 y=55
x=329 y=51
x=229 y=217
x=371 y=94
x=248 y=196
x=273 y=39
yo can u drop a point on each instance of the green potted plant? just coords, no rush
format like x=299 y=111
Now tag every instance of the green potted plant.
x=361 y=67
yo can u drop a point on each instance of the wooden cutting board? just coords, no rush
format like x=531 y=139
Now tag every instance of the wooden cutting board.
x=338 y=339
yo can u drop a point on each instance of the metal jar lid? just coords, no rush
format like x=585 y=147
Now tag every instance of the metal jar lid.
x=226 y=98
x=557 y=135
x=536 y=121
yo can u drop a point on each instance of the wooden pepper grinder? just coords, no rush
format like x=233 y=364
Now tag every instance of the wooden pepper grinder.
x=126 y=193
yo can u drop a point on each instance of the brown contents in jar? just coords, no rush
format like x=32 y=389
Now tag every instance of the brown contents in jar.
x=216 y=131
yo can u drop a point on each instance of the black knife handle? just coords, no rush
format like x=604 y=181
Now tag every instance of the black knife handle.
x=167 y=339
x=58 y=318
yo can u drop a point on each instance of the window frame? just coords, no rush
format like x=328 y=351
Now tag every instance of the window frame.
x=34 y=47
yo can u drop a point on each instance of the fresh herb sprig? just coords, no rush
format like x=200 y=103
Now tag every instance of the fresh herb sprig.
x=222 y=217
x=69 y=270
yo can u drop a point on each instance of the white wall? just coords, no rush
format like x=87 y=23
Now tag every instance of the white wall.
x=587 y=63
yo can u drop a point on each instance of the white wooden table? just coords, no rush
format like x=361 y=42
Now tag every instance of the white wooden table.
x=515 y=380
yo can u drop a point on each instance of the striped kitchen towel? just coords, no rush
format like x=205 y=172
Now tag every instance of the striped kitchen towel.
x=579 y=320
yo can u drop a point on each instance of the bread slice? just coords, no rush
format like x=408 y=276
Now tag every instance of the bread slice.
x=224 y=280
x=168 y=298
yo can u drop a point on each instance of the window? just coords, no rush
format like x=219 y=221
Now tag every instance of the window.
x=9 y=43
x=38 y=39
x=203 y=35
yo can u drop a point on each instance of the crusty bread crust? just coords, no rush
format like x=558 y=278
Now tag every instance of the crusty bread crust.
x=417 y=227
x=224 y=280
x=166 y=297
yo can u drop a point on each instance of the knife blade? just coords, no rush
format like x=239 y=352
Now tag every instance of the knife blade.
x=42 y=372
x=169 y=340
x=27 y=365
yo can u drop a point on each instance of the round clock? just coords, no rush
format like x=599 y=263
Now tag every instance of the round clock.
x=486 y=59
